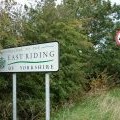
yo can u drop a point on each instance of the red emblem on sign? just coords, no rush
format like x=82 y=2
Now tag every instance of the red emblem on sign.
x=117 y=38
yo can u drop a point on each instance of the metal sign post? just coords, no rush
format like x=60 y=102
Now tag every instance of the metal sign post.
x=47 y=92
x=33 y=58
x=14 y=98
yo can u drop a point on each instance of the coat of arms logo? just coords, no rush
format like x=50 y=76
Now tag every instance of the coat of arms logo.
x=2 y=62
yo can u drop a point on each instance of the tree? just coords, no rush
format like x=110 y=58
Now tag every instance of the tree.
x=84 y=30
x=102 y=23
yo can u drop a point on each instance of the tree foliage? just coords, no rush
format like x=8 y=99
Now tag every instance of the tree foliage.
x=85 y=31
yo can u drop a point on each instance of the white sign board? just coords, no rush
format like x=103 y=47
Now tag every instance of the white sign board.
x=33 y=58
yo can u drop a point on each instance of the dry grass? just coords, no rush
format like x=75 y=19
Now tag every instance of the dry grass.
x=100 y=107
x=110 y=105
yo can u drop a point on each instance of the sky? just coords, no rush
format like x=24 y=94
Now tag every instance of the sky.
x=30 y=1
x=58 y=1
x=117 y=1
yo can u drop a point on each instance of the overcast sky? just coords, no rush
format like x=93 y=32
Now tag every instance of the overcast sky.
x=117 y=1
x=58 y=1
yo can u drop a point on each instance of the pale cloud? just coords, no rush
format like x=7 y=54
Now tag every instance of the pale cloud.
x=28 y=2
x=115 y=1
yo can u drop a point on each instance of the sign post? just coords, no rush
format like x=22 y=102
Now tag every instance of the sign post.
x=14 y=98
x=47 y=94
x=33 y=58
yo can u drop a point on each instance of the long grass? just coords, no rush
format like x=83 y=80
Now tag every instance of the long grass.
x=100 y=107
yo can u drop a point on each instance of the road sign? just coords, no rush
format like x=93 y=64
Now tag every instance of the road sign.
x=33 y=58
x=117 y=37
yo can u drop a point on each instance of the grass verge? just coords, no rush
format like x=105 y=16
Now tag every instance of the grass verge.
x=105 y=106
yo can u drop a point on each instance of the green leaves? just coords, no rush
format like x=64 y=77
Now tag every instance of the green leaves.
x=85 y=32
